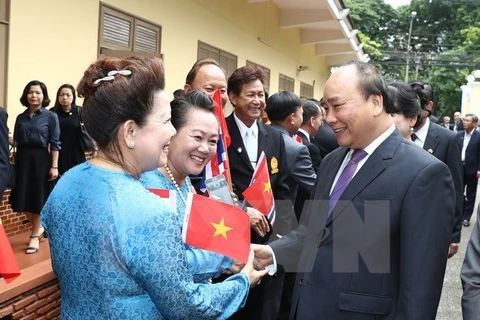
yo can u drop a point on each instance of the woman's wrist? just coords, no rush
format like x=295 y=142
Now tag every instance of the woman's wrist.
x=54 y=167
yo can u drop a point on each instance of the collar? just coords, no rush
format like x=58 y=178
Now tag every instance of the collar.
x=40 y=110
x=243 y=128
x=423 y=131
x=305 y=133
x=379 y=140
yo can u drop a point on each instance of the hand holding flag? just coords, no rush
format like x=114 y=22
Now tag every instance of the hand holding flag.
x=216 y=226
x=259 y=194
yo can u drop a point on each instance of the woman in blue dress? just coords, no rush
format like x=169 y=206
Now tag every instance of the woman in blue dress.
x=190 y=150
x=116 y=248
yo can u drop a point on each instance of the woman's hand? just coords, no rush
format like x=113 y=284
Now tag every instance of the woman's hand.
x=53 y=174
x=253 y=275
x=258 y=221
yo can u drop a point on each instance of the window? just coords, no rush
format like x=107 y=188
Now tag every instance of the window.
x=226 y=60
x=286 y=83
x=4 y=24
x=267 y=74
x=121 y=34
x=306 y=91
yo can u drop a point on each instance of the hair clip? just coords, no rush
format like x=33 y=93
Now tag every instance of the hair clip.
x=111 y=75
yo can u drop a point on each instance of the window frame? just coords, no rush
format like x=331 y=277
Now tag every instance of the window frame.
x=286 y=83
x=267 y=74
x=218 y=55
x=306 y=91
x=120 y=51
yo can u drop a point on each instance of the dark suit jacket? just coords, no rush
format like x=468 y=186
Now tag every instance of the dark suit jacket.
x=325 y=140
x=303 y=195
x=299 y=165
x=472 y=153
x=394 y=191
x=4 y=153
x=445 y=146
x=315 y=155
x=458 y=125
x=470 y=275
x=446 y=126
x=270 y=141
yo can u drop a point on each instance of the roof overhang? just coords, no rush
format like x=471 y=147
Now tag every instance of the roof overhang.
x=325 y=24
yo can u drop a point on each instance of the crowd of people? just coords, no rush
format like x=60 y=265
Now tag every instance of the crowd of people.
x=356 y=234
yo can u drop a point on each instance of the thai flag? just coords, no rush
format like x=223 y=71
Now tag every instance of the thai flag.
x=219 y=162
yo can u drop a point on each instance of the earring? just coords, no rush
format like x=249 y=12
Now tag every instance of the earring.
x=131 y=144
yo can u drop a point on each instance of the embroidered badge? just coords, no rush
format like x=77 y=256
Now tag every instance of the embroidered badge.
x=274 y=165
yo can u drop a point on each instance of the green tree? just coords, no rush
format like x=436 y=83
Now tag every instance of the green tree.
x=444 y=46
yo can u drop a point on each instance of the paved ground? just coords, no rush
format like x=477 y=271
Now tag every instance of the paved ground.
x=450 y=303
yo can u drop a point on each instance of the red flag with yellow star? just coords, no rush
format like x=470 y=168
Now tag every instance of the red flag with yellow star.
x=216 y=226
x=259 y=194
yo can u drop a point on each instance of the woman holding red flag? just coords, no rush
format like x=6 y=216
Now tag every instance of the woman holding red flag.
x=116 y=248
x=190 y=150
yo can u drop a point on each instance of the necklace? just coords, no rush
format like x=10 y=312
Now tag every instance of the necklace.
x=108 y=161
x=172 y=178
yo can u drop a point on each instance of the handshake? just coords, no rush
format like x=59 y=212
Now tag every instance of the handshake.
x=260 y=262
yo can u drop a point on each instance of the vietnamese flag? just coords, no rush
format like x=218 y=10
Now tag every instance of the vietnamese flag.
x=259 y=194
x=8 y=264
x=216 y=226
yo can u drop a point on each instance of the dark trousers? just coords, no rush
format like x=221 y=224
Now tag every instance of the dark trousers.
x=470 y=183
x=263 y=302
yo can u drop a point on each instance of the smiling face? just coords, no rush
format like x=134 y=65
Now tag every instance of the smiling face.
x=35 y=96
x=194 y=144
x=250 y=102
x=152 y=140
x=209 y=79
x=351 y=116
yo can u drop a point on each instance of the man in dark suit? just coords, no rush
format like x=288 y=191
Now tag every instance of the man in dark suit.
x=470 y=142
x=445 y=147
x=312 y=121
x=4 y=153
x=284 y=109
x=368 y=256
x=457 y=122
x=249 y=138
x=446 y=123
x=470 y=275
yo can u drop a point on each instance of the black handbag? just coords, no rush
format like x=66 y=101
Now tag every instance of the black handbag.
x=85 y=140
x=11 y=169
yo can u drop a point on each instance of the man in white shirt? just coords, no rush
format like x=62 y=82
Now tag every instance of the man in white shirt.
x=470 y=141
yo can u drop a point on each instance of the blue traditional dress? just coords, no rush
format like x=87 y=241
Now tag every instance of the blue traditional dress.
x=203 y=264
x=117 y=251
